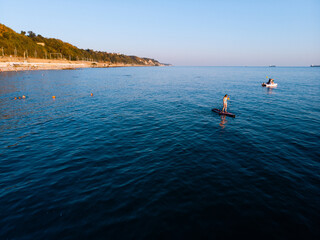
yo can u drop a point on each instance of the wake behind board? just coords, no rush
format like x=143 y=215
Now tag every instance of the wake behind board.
x=223 y=113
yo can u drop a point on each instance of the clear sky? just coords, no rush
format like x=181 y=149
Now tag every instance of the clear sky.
x=198 y=33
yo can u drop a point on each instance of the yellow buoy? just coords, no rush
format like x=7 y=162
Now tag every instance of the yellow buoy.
x=23 y=96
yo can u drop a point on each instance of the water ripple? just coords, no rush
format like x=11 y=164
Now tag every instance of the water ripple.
x=145 y=157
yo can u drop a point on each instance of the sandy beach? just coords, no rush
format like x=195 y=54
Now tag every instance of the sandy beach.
x=20 y=64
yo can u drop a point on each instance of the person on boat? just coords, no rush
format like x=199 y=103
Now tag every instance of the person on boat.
x=271 y=81
x=225 y=102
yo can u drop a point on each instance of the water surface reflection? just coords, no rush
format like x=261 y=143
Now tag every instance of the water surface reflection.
x=223 y=122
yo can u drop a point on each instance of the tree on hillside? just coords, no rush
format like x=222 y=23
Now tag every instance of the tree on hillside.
x=31 y=34
x=23 y=33
x=6 y=35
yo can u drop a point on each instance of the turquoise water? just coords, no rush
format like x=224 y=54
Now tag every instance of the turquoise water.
x=145 y=158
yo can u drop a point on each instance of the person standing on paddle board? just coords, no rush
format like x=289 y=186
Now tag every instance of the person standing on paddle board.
x=225 y=102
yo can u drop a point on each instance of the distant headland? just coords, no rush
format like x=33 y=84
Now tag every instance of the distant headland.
x=30 y=51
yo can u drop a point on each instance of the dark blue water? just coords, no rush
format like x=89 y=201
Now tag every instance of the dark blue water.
x=145 y=158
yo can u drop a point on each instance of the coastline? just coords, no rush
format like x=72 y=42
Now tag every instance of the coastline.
x=31 y=64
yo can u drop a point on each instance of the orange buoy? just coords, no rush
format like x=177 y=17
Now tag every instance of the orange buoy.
x=53 y=97
x=15 y=98
x=19 y=97
x=91 y=94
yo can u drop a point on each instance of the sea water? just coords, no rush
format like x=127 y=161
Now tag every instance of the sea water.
x=146 y=158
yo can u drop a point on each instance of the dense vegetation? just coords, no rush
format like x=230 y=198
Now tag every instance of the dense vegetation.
x=36 y=46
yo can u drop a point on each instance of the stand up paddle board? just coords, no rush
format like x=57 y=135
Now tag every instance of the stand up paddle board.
x=223 y=113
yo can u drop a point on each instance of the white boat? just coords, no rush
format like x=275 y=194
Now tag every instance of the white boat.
x=269 y=84
x=272 y=85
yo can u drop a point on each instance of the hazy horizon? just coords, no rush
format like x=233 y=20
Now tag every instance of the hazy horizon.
x=182 y=33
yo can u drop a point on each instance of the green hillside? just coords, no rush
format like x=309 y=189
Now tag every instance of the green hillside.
x=36 y=46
